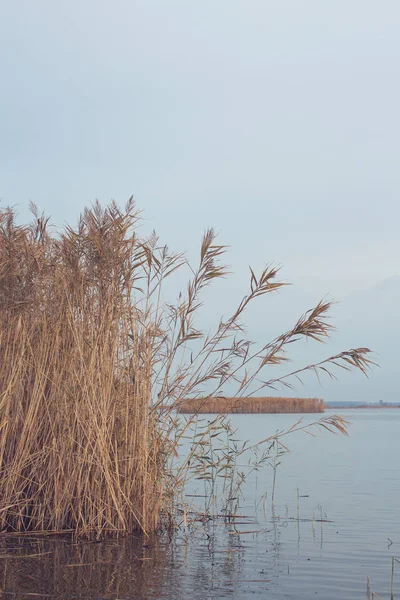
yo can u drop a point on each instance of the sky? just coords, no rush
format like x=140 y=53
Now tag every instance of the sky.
x=276 y=122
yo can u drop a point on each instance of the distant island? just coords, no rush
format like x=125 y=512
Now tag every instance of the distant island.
x=264 y=404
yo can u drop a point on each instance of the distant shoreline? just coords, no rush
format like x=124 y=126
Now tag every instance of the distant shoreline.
x=267 y=405
x=374 y=406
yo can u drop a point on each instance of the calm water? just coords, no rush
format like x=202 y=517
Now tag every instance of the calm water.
x=352 y=483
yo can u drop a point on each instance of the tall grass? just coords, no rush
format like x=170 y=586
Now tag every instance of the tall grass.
x=264 y=404
x=93 y=364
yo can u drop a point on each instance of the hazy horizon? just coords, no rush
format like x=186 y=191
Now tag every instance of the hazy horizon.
x=275 y=122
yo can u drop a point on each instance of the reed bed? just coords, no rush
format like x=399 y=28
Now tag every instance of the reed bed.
x=94 y=363
x=264 y=404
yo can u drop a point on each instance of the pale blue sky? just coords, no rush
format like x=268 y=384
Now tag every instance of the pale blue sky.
x=274 y=121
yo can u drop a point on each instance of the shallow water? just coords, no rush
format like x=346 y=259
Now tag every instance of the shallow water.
x=349 y=515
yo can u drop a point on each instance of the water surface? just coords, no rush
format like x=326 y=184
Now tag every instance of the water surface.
x=346 y=527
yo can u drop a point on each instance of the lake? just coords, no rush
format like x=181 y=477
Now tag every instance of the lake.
x=344 y=527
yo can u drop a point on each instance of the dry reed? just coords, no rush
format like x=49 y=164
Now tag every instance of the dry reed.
x=93 y=364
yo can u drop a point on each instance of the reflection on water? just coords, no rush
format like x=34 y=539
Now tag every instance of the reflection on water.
x=213 y=560
x=335 y=522
x=60 y=568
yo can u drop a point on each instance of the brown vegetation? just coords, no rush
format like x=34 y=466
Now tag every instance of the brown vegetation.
x=265 y=404
x=93 y=365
